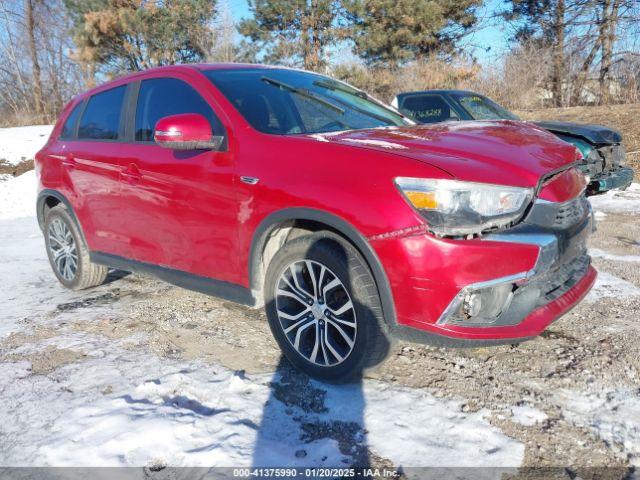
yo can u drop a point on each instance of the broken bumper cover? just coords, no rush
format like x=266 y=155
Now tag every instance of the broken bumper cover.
x=620 y=178
x=531 y=326
x=534 y=273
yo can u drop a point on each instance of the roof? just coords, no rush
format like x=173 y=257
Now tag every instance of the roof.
x=437 y=90
x=170 y=68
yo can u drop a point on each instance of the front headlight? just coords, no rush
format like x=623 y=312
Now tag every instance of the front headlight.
x=454 y=208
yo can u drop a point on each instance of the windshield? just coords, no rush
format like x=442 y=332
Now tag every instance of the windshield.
x=285 y=102
x=481 y=108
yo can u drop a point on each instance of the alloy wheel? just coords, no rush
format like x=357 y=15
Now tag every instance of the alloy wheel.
x=316 y=313
x=63 y=249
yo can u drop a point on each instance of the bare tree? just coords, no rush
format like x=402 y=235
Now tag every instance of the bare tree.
x=33 y=53
x=34 y=87
x=221 y=43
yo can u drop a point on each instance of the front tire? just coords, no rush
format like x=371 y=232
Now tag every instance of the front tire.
x=324 y=308
x=67 y=252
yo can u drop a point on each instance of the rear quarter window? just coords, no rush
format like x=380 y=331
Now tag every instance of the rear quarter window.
x=69 y=127
x=101 y=118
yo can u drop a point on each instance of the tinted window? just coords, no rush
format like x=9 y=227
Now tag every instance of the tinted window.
x=101 y=118
x=69 y=127
x=161 y=97
x=427 y=108
x=481 y=108
x=283 y=101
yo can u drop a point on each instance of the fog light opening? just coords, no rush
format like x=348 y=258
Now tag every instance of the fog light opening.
x=472 y=304
x=487 y=304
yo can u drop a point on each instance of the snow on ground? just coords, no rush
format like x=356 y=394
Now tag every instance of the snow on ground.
x=18 y=196
x=608 y=285
x=617 y=201
x=189 y=414
x=597 y=253
x=22 y=143
x=527 y=415
x=116 y=403
x=611 y=414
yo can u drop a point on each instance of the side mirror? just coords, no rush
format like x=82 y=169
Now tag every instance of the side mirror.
x=187 y=131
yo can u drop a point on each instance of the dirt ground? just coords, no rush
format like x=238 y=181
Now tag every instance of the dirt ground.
x=622 y=117
x=594 y=349
x=7 y=169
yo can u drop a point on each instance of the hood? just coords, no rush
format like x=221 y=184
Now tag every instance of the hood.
x=597 y=134
x=502 y=152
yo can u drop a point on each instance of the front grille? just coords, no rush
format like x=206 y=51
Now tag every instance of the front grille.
x=570 y=213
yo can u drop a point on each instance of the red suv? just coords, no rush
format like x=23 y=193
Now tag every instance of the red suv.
x=290 y=190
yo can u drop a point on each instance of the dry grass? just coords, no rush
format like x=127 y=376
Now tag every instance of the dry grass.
x=622 y=117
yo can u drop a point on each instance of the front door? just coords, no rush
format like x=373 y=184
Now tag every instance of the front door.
x=182 y=204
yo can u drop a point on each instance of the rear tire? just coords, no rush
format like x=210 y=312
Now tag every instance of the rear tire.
x=68 y=253
x=324 y=308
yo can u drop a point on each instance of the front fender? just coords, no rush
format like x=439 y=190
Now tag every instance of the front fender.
x=275 y=219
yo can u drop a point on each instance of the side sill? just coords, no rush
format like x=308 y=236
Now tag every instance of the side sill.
x=189 y=281
x=413 y=335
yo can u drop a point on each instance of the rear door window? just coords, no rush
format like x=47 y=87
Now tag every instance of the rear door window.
x=428 y=108
x=161 y=97
x=101 y=118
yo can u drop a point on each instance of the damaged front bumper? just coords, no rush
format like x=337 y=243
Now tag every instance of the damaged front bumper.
x=517 y=306
x=619 y=178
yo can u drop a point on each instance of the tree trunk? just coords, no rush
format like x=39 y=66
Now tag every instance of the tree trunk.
x=33 y=52
x=610 y=22
x=558 y=54
x=581 y=76
x=311 y=42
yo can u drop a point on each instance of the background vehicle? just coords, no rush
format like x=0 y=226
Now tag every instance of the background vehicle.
x=601 y=147
x=287 y=189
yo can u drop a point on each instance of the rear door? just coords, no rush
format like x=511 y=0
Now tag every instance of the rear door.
x=90 y=152
x=182 y=204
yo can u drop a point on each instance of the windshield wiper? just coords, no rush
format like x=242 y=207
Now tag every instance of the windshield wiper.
x=304 y=93
x=340 y=88
x=359 y=94
x=356 y=93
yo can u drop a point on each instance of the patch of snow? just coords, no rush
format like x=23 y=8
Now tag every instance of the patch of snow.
x=608 y=285
x=376 y=143
x=22 y=143
x=597 y=253
x=102 y=412
x=599 y=215
x=527 y=415
x=614 y=416
x=181 y=415
x=439 y=433
x=29 y=287
x=18 y=196
x=618 y=201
